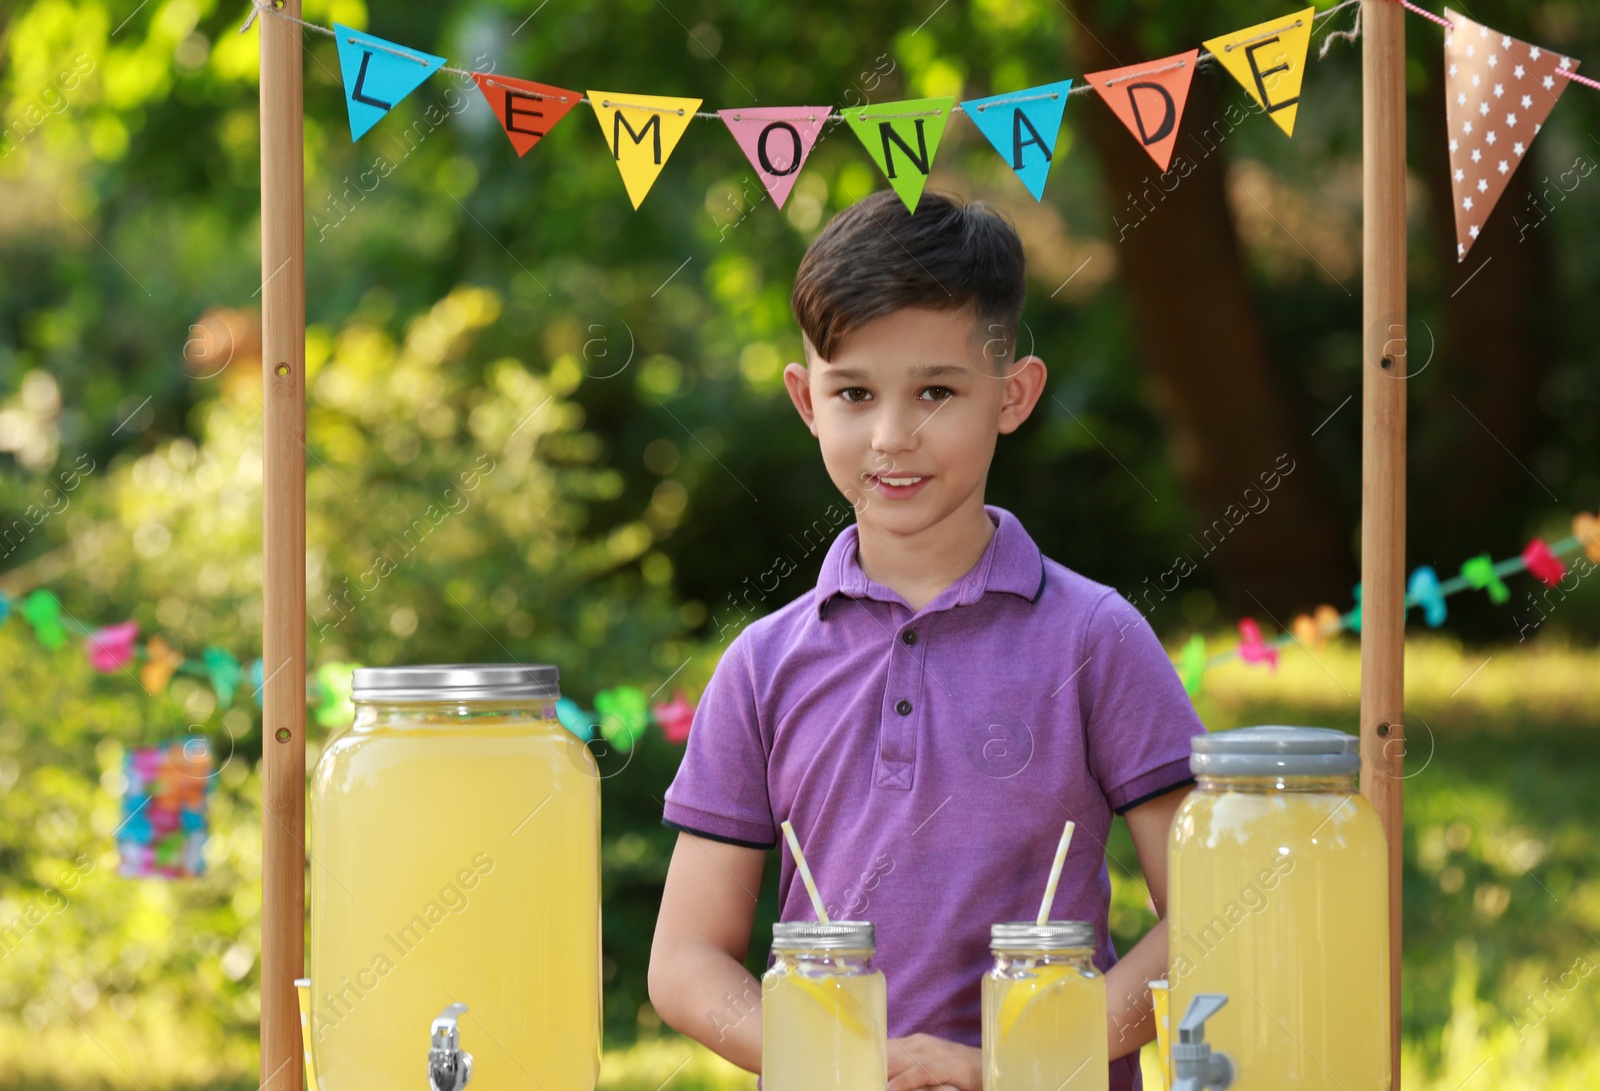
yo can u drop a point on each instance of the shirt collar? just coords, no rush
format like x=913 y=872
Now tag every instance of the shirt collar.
x=1010 y=562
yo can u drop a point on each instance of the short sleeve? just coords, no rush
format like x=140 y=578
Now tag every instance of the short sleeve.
x=720 y=790
x=1137 y=717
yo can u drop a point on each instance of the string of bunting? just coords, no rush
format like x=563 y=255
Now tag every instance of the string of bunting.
x=1423 y=588
x=621 y=713
x=1499 y=91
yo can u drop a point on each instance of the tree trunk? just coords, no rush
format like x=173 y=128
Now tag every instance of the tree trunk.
x=1230 y=411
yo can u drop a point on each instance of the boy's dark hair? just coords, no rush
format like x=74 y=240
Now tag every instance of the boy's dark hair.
x=875 y=258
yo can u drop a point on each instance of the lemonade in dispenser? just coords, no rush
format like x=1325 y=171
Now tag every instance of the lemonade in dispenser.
x=455 y=877
x=1278 y=901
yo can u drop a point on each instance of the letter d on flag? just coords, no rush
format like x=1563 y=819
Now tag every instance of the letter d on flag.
x=377 y=75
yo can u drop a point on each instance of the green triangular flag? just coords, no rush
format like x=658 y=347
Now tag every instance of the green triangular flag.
x=902 y=138
x=1192 y=663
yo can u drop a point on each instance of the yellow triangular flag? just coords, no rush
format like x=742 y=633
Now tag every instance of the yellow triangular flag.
x=641 y=131
x=1269 y=60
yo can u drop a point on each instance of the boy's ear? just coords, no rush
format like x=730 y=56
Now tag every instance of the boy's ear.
x=1023 y=386
x=797 y=380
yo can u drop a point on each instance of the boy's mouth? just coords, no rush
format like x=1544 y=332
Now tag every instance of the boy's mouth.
x=898 y=486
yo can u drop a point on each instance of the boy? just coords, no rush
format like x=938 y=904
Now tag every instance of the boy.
x=945 y=698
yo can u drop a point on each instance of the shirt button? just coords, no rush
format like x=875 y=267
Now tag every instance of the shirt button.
x=909 y=636
x=904 y=707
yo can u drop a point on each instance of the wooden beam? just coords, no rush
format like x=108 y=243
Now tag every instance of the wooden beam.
x=283 y=617
x=1383 y=448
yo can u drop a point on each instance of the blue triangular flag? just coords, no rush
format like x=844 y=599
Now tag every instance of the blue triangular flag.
x=377 y=75
x=1022 y=126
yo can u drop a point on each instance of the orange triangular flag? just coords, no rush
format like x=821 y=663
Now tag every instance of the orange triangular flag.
x=525 y=110
x=1149 y=98
x=1498 y=91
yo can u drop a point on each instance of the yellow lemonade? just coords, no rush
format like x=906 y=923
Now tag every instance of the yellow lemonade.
x=1044 y=1028
x=1279 y=898
x=456 y=861
x=824 y=1019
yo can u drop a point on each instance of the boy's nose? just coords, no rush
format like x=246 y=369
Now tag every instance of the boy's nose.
x=896 y=431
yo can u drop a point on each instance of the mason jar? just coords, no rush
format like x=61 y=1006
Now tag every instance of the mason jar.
x=454 y=860
x=1278 y=897
x=824 y=1010
x=1044 y=1009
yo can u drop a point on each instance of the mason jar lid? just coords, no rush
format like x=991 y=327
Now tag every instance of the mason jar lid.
x=1276 y=751
x=1049 y=936
x=816 y=936
x=456 y=682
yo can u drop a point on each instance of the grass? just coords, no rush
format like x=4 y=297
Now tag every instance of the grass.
x=1502 y=896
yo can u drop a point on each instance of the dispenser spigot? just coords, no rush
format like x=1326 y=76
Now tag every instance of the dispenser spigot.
x=449 y=1067
x=1194 y=1066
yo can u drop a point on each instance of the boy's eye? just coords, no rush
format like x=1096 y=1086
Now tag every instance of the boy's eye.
x=848 y=391
x=944 y=392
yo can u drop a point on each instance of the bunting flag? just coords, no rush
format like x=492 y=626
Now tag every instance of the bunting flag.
x=1498 y=92
x=1269 y=61
x=1022 y=126
x=377 y=75
x=641 y=131
x=913 y=126
x=42 y=610
x=161 y=663
x=111 y=648
x=776 y=140
x=163 y=829
x=1149 y=98
x=525 y=110
x=1538 y=558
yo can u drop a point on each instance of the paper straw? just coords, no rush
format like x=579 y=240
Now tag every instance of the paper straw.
x=1055 y=872
x=805 y=872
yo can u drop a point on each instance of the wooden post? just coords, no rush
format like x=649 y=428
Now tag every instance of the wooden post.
x=283 y=624
x=1383 y=447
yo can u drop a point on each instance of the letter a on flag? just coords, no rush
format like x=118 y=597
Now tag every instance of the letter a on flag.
x=377 y=75
x=525 y=110
x=1269 y=59
x=1022 y=126
x=1149 y=98
x=902 y=138
x=641 y=131
x=776 y=140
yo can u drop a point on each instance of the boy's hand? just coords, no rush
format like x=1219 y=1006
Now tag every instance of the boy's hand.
x=921 y=1060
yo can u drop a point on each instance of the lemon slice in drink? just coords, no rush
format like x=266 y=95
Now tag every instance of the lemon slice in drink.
x=1024 y=991
x=829 y=993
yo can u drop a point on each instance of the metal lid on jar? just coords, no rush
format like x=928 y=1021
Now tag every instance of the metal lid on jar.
x=1276 y=751
x=817 y=936
x=1049 y=936
x=456 y=682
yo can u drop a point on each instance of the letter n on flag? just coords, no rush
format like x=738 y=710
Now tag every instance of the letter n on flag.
x=902 y=138
x=525 y=110
x=377 y=75
x=776 y=140
x=1149 y=98
x=641 y=131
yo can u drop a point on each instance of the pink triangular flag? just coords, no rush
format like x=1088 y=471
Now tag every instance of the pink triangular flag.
x=776 y=140
x=1498 y=92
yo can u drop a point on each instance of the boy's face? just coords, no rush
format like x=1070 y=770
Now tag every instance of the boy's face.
x=908 y=411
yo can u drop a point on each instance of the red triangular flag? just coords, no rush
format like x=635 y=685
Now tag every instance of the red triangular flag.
x=1498 y=91
x=1149 y=98
x=526 y=110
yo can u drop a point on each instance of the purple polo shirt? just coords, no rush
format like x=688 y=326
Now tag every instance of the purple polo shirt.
x=929 y=758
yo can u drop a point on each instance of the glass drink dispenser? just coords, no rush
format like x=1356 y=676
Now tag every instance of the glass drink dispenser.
x=824 y=1010
x=1044 y=1010
x=455 y=878
x=1279 y=901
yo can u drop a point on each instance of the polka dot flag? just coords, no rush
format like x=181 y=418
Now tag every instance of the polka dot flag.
x=1498 y=92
